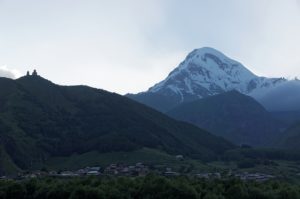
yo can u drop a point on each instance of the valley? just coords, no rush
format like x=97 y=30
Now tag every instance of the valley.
x=151 y=99
x=45 y=125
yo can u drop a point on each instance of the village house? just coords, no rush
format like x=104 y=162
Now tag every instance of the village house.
x=259 y=177
x=179 y=157
x=215 y=175
x=68 y=174
x=89 y=171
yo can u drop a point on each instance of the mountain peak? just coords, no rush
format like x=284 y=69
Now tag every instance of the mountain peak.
x=206 y=72
x=35 y=82
x=215 y=62
x=209 y=50
x=32 y=78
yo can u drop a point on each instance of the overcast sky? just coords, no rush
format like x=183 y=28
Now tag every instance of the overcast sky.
x=129 y=45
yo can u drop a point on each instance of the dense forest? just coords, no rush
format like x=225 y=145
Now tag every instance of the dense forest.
x=40 y=120
x=151 y=186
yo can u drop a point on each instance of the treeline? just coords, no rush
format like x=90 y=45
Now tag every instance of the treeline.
x=149 y=187
x=263 y=153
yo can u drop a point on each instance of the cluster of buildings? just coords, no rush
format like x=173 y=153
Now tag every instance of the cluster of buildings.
x=215 y=175
x=88 y=171
x=34 y=73
x=259 y=177
x=139 y=169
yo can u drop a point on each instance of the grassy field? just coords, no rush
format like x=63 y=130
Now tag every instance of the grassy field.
x=146 y=156
x=7 y=164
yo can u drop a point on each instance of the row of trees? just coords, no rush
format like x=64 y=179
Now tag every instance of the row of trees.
x=148 y=187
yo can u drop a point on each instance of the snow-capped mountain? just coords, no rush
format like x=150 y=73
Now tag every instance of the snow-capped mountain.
x=206 y=72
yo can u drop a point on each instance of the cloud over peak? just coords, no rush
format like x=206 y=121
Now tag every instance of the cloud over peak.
x=9 y=73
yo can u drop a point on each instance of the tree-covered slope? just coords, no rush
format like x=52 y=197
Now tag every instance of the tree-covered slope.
x=156 y=101
x=288 y=117
x=290 y=139
x=39 y=119
x=232 y=115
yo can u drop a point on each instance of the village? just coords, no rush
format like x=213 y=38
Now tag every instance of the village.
x=141 y=169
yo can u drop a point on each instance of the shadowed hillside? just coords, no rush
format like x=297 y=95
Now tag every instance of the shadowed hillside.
x=232 y=115
x=39 y=119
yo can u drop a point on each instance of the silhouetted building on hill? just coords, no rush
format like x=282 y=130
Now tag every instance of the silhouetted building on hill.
x=34 y=73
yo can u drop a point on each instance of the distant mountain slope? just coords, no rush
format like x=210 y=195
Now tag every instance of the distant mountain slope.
x=285 y=97
x=287 y=117
x=157 y=101
x=291 y=138
x=204 y=72
x=232 y=115
x=39 y=119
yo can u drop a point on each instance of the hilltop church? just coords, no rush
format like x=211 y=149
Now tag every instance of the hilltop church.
x=34 y=73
